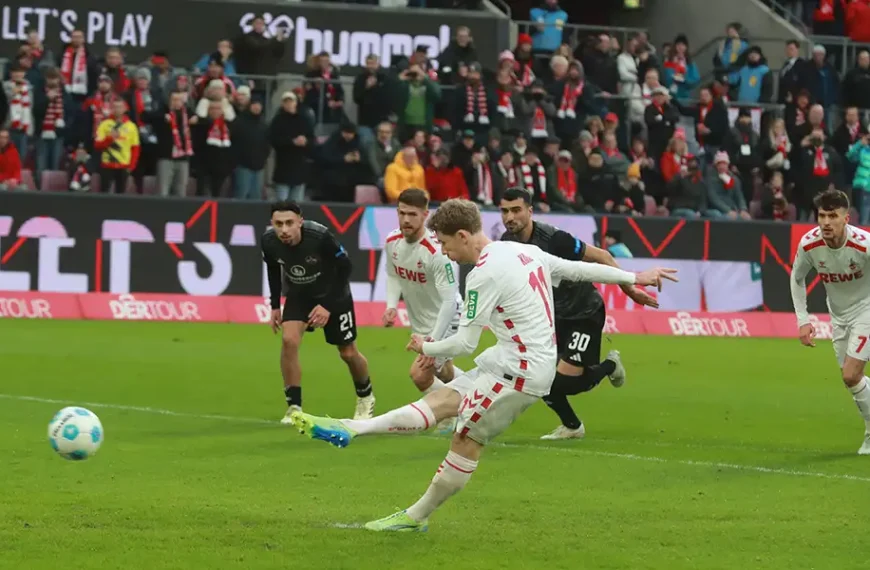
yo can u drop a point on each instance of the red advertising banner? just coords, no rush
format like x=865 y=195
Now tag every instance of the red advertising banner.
x=31 y=305
x=256 y=310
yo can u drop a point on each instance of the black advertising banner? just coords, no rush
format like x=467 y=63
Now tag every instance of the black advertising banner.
x=127 y=244
x=186 y=29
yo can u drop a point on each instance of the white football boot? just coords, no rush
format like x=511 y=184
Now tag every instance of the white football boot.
x=446 y=426
x=365 y=408
x=286 y=421
x=865 y=447
x=617 y=379
x=563 y=432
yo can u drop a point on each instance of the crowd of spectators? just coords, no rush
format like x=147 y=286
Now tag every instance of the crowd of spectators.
x=598 y=127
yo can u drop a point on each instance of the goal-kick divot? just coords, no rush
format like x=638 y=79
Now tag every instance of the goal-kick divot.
x=544 y=448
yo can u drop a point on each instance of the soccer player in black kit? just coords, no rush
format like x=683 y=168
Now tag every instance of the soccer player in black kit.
x=316 y=269
x=579 y=312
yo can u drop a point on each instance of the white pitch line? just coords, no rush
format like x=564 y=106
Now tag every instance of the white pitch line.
x=546 y=448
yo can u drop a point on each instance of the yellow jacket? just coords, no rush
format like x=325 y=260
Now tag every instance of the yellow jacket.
x=399 y=178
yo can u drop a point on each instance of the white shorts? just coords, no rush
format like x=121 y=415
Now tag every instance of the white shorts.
x=488 y=407
x=852 y=340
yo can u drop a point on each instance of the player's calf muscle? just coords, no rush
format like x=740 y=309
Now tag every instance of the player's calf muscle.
x=466 y=447
x=853 y=371
x=444 y=403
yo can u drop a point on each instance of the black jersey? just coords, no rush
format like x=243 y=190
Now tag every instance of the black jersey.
x=572 y=300
x=316 y=268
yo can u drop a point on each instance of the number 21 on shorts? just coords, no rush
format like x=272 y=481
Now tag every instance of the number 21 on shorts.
x=345 y=321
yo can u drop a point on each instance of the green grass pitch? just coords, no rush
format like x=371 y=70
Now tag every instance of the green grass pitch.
x=718 y=453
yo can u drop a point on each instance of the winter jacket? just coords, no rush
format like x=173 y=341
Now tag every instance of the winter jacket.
x=201 y=65
x=715 y=118
x=859 y=154
x=446 y=183
x=399 y=177
x=258 y=55
x=725 y=199
x=660 y=124
x=567 y=128
x=430 y=90
x=824 y=84
x=375 y=103
x=629 y=86
x=10 y=165
x=165 y=138
x=380 y=157
x=690 y=78
x=40 y=107
x=856 y=88
x=792 y=78
x=451 y=57
x=291 y=161
x=553 y=20
x=688 y=192
x=754 y=83
x=598 y=187
x=251 y=141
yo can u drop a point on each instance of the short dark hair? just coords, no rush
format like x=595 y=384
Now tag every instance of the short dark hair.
x=286 y=206
x=793 y=43
x=414 y=197
x=455 y=215
x=517 y=193
x=831 y=200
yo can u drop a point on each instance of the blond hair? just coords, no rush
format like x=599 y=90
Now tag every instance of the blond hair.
x=454 y=215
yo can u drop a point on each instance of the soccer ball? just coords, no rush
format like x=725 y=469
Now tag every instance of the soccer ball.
x=75 y=433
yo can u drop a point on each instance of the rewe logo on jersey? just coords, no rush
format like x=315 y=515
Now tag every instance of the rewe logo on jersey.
x=415 y=276
x=840 y=277
x=352 y=47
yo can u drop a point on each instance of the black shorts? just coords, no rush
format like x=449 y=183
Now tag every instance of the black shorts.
x=340 y=330
x=579 y=341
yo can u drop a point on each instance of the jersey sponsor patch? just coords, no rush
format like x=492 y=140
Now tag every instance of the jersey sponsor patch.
x=472 y=304
x=450 y=277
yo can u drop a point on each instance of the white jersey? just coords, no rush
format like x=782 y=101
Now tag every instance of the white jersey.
x=843 y=272
x=426 y=280
x=510 y=290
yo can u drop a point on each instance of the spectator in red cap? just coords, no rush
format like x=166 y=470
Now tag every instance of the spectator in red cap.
x=549 y=21
x=161 y=73
x=525 y=67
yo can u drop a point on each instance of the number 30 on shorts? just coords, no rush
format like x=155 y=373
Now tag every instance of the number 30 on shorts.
x=579 y=342
x=345 y=321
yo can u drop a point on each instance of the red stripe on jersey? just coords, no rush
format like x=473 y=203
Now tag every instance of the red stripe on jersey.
x=519 y=383
x=509 y=324
x=425 y=243
x=524 y=364
x=500 y=309
x=480 y=264
x=816 y=244
x=464 y=431
x=487 y=402
x=497 y=388
x=457 y=468
x=854 y=245
x=474 y=418
x=425 y=419
x=394 y=238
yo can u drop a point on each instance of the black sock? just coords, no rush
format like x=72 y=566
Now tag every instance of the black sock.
x=560 y=404
x=293 y=395
x=363 y=389
x=596 y=373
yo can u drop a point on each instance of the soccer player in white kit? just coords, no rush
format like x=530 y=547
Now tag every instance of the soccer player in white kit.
x=838 y=252
x=510 y=290
x=426 y=279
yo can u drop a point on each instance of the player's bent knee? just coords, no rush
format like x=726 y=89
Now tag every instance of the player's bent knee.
x=290 y=340
x=444 y=403
x=465 y=446
x=348 y=352
x=422 y=379
x=853 y=371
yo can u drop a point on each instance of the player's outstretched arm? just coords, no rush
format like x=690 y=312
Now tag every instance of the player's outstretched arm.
x=563 y=270
x=798 y=284
x=464 y=342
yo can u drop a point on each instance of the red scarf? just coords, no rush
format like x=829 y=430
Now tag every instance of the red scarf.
x=330 y=88
x=637 y=157
x=610 y=152
x=729 y=182
x=101 y=107
x=53 y=117
x=678 y=64
x=799 y=117
x=782 y=145
x=853 y=131
x=510 y=176
x=820 y=164
x=218 y=134
x=179 y=150
x=529 y=181
x=567 y=181
x=505 y=107
x=74 y=69
x=479 y=93
x=539 y=124
x=20 y=111
x=484 y=183
x=570 y=94
x=825 y=11
x=525 y=73
x=139 y=106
